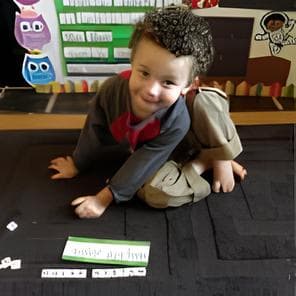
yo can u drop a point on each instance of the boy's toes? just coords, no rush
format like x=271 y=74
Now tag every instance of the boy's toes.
x=243 y=173
x=228 y=187
x=216 y=186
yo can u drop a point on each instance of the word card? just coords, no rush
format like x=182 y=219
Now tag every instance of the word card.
x=63 y=273
x=119 y=272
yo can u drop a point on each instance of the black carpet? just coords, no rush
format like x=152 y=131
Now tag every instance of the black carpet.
x=235 y=244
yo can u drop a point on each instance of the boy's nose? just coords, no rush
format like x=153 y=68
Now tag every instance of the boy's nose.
x=153 y=89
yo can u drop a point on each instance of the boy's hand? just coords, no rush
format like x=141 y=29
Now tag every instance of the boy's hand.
x=93 y=206
x=65 y=167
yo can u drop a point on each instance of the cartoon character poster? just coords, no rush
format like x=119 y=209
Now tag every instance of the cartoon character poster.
x=278 y=31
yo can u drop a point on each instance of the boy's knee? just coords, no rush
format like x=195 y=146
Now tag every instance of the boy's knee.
x=173 y=186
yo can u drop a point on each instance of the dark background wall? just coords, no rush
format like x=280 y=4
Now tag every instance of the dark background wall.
x=11 y=54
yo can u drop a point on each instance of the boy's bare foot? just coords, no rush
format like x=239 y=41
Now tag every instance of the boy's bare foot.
x=199 y=166
x=239 y=170
x=223 y=179
x=223 y=173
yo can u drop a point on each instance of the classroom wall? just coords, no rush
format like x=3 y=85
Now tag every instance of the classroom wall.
x=53 y=49
x=257 y=48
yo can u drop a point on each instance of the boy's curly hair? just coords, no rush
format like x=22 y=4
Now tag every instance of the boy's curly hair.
x=181 y=32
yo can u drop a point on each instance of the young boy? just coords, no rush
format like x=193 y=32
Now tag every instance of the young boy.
x=144 y=110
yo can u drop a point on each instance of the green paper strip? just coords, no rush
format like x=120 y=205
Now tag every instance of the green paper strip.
x=106 y=251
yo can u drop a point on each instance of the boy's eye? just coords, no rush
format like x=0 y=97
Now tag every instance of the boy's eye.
x=144 y=73
x=168 y=82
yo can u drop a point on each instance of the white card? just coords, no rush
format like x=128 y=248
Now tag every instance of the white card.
x=119 y=272
x=63 y=273
x=16 y=264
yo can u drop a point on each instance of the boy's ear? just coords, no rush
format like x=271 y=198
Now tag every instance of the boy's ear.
x=186 y=90
x=192 y=86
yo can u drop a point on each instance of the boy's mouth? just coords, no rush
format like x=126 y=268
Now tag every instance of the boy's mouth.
x=150 y=100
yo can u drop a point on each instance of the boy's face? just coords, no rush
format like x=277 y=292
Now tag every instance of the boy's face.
x=158 y=78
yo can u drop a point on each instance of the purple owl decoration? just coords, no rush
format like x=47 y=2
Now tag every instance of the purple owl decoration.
x=27 y=2
x=31 y=31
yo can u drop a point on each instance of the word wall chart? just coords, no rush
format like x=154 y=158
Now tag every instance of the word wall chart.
x=95 y=33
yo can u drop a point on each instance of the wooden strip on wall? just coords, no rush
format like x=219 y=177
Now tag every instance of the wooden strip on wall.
x=62 y=121
x=41 y=121
x=261 y=118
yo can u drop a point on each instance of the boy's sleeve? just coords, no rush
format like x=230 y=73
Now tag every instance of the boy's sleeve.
x=145 y=161
x=96 y=133
x=213 y=127
x=89 y=142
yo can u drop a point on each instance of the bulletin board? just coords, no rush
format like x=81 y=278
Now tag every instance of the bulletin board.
x=95 y=34
x=85 y=41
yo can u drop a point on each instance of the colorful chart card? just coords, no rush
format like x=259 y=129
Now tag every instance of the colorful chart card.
x=119 y=252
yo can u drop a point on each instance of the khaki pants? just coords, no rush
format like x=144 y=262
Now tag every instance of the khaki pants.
x=215 y=138
x=173 y=186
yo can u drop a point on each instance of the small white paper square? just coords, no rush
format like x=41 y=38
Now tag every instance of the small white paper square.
x=16 y=264
x=11 y=226
x=5 y=262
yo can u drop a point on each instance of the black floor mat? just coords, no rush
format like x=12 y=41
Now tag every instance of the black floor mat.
x=234 y=244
